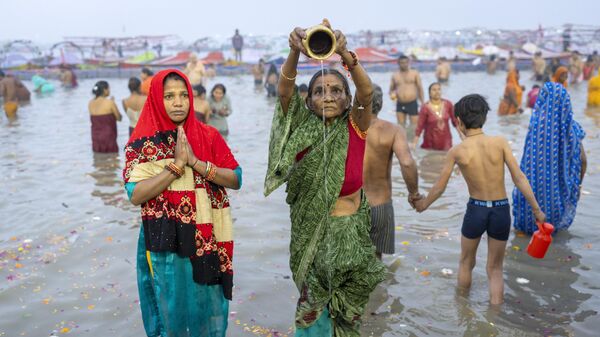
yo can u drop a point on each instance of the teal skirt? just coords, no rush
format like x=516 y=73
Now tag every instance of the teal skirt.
x=172 y=304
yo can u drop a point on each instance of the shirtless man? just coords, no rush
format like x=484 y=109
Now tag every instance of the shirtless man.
x=9 y=90
x=442 y=70
x=383 y=140
x=258 y=71
x=405 y=88
x=481 y=160
x=539 y=66
x=195 y=70
x=575 y=67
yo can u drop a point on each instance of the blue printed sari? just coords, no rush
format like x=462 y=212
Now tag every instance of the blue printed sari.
x=551 y=161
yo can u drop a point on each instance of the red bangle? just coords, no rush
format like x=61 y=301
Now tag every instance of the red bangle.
x=176 y=171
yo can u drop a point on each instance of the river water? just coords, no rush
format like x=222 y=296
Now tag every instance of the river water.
x=68 y=233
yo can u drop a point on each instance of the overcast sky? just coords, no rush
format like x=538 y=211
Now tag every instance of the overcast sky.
x=51 y=20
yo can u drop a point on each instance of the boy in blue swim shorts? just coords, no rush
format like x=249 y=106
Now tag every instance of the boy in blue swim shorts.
x=481 y=160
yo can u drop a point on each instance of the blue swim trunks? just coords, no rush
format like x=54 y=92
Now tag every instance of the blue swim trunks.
x=483 y=216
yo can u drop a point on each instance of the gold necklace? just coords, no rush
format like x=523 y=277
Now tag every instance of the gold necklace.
x=437 y=109
x=475 y=134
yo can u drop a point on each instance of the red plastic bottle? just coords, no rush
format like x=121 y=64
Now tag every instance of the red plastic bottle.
x=540 y=240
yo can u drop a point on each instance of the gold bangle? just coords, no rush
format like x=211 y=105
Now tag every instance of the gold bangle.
x=287 y=78
x=212 y=174
x=208 y=167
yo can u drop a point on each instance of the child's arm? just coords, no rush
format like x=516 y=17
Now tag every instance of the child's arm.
x=440 y=185
x=521 y=181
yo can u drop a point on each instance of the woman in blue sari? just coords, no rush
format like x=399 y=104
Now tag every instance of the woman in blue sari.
x=553 y=160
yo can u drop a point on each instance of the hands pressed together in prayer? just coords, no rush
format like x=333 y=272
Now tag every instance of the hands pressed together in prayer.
x=184 y=155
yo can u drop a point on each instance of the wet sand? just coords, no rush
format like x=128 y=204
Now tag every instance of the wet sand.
x=68 y=233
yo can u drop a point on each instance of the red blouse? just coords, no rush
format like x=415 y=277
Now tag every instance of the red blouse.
x=437 y=129
x=353 y=177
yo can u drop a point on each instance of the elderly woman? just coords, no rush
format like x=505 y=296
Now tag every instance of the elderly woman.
x=553 y=160
x=177 y=169
x=317 y=148
x=435 y=118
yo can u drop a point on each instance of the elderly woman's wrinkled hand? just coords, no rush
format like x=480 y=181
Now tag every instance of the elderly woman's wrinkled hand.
x=295 y=40
x=340 y=39
x=340 y=43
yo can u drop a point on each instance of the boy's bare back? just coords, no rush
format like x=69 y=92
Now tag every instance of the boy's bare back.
x=481 y=161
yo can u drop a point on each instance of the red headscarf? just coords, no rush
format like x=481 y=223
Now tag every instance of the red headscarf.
x=154 y=119
x=192 y=217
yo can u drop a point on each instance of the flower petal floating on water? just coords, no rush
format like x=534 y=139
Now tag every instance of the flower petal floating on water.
x=425 y=273
x=521 y=280
x=405 y=243
x=447 y=271
x=516 y=248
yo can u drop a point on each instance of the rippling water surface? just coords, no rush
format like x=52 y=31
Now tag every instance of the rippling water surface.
x=68 y=234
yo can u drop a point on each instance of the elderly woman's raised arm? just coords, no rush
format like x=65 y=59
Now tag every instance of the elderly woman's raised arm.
x=289 y=70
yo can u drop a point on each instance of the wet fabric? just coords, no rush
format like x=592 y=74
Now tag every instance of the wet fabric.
x=482 y=216
x=10 y=108
x=437 y=128
x=551 y=161
x=165 y=281
x=408 y=108
x=332 y=259
x=513 y=88
x=187 y=229
x=594 y=91
x=383 y=228
x=104 y=133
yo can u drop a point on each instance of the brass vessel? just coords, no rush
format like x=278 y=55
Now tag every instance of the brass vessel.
x=320 y=42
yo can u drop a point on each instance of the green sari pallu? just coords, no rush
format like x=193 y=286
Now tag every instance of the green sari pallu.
x=332 y=258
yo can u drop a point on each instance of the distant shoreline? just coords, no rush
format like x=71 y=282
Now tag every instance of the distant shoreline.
x=423 y=66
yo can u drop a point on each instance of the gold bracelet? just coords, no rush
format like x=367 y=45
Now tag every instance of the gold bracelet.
x=287 y=78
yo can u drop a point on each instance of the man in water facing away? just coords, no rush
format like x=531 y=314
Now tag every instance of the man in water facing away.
x=12 y=90
x=481 y=161
x=383 y=140
x=405 y=88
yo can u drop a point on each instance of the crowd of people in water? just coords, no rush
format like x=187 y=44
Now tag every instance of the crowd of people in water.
x=335 y=155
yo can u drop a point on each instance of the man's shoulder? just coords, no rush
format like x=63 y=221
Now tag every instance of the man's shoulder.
x=383 y=129
x=384 y=125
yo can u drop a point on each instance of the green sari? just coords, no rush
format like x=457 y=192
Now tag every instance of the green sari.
x=332 y=258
